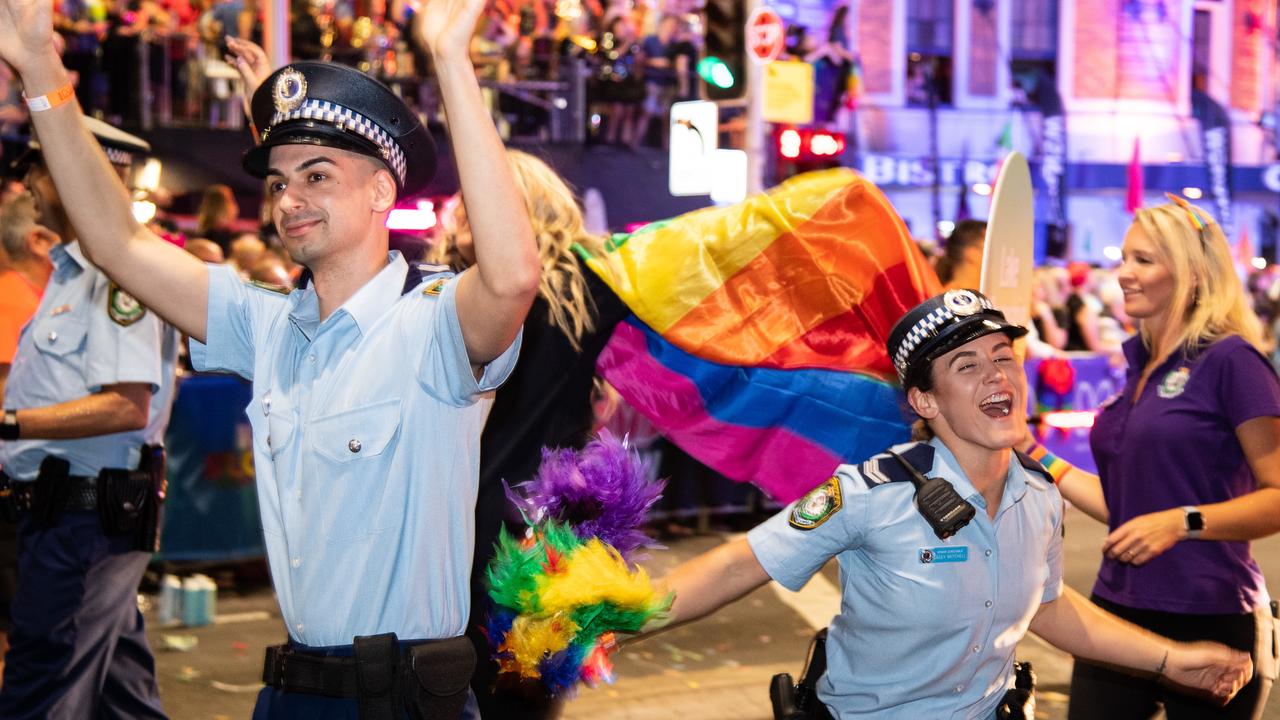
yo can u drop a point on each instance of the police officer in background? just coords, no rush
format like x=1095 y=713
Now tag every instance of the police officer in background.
x=85 y=408
x=950 y=550
x=366 y=425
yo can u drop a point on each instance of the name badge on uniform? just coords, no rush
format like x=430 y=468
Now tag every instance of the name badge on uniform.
x=929 y=556
x=1174 y=383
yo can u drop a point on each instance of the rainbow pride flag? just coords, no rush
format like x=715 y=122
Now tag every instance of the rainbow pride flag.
x=757 y=342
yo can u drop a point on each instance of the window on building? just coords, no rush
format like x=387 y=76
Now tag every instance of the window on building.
x=1033 y=48
x=1201 y=31
x=930 y=31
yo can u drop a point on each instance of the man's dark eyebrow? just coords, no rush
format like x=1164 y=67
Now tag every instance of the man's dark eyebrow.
x=1003 y=345
x=957 y=356
x=304 y=165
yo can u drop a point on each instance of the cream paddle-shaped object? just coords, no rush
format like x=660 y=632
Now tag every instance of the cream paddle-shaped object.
x=1009 y=252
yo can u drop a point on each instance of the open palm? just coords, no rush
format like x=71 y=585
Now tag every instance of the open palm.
x=26 y=31
x=445 y=27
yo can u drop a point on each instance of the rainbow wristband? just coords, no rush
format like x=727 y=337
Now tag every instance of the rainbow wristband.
x=1056 y=466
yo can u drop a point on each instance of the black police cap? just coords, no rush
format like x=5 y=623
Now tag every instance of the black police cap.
x=319 y=103
x=121 y=148
x=939 y=325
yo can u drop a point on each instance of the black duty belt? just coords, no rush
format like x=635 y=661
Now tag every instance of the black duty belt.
x=292 y=671
x=82 y=493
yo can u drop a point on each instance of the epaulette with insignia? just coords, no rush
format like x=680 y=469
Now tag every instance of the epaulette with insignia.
x=884 y=468
x=270 y=287
x=1034 y=466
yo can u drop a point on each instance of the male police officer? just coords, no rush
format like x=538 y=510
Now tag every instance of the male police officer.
x=366 y=430
x=89 y=390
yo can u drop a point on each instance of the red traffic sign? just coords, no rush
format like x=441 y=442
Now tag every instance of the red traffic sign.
x=765 y=35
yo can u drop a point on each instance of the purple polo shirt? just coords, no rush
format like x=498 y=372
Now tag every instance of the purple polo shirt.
x=1177 y=446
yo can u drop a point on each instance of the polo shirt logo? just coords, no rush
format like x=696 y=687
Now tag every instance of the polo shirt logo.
x=1174 y=383
x=818 y=506
x=944 y=555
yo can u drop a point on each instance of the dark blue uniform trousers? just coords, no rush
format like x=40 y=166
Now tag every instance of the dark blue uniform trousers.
x=78 y=648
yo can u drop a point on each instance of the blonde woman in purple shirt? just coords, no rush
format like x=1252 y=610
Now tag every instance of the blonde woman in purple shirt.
x=1188 y=458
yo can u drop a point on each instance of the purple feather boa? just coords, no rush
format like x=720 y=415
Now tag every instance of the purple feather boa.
x=602 y=490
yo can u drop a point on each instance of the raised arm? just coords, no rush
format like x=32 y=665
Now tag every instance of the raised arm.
x=494 y=298
x=1073 y=624
x=158 y=274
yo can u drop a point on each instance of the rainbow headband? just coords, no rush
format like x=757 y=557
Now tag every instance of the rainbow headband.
x=1193 y=215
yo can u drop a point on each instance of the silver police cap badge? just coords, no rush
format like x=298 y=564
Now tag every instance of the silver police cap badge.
x=289 y=91
x=961 y=303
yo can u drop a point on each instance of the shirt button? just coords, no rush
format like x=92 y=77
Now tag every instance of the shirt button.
x=311 y=357
x=959 y=688
x=53 y=336
x=988 y=603
x=297 y=562
x=354 y=445
x=298 y=627
x=298 y=494
x=988 y=553
x=976 y=648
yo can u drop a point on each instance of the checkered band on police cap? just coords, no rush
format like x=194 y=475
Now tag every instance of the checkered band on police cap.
x=952 y=306
x=348 y=120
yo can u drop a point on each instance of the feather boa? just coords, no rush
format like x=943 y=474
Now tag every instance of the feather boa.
x=562 y=591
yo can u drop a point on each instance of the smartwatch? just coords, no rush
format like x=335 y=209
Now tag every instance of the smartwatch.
x=9 y=426
x=1193 y=521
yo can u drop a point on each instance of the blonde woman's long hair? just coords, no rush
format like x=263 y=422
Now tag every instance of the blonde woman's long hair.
x=557 y=227
x=1205 y=285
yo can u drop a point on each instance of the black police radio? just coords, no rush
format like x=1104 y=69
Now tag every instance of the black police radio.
x=938 y=502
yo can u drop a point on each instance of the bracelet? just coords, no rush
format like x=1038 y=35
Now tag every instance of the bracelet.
x=1164 y=662
x=58 y=97
x=1056 y=466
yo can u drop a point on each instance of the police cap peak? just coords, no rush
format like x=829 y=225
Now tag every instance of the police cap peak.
x=121 y=147
x=332 y=105
x=939 y=325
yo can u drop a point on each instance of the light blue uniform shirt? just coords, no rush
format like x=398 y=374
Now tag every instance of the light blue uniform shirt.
x=72 y=348
x=366 y=442
x=927 y=627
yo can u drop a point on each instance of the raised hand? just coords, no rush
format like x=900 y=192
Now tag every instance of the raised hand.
x=1209 y=667
x=250 y=60
x=26 y=32
x=445 y=27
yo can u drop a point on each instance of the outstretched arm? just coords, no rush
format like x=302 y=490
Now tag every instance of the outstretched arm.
x=494 y=299
x=712 y=580
x=160 y=275
x=1073 y=624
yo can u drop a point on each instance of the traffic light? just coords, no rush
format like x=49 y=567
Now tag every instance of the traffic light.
x=724 y=67
x=804 y=149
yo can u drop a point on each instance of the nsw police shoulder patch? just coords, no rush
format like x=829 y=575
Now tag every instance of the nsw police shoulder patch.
x=818 y=506
x=123 y=308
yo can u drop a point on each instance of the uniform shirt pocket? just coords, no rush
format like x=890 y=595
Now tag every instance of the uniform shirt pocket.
x=355 y=448
x=60 y=336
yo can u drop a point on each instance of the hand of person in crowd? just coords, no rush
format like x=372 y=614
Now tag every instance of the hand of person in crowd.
x=1210 y=667
x=250 y=60
x=445 y=27
x=1145 y=537
x=26 y=32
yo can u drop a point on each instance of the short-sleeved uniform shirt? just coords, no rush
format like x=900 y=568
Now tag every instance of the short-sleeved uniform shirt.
x=1177 y=446
x=366 y=436
x=927 y=627
x=87 y=334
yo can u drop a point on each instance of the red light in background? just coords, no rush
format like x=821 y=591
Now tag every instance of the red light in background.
x=826 y=144
x=789 y=143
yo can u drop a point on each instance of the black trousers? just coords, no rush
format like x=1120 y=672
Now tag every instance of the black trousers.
x=1099 y=692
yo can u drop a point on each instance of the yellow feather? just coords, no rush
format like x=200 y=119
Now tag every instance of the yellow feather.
x=532 y=639
x=596 y=573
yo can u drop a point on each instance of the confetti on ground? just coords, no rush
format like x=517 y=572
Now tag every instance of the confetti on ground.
x=180 y=643
x=765 y=639
x=228 y=687
x=188 y=674
x=250 y=616
x=239 y=646
x=693 y=684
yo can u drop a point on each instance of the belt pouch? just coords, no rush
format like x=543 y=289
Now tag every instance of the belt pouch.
x=152 y=470
x=438 y=674
x=122 y=495
x=50 y=492
x=378 y=677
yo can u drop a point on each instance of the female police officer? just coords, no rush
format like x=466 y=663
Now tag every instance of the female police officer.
x=928 y=626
